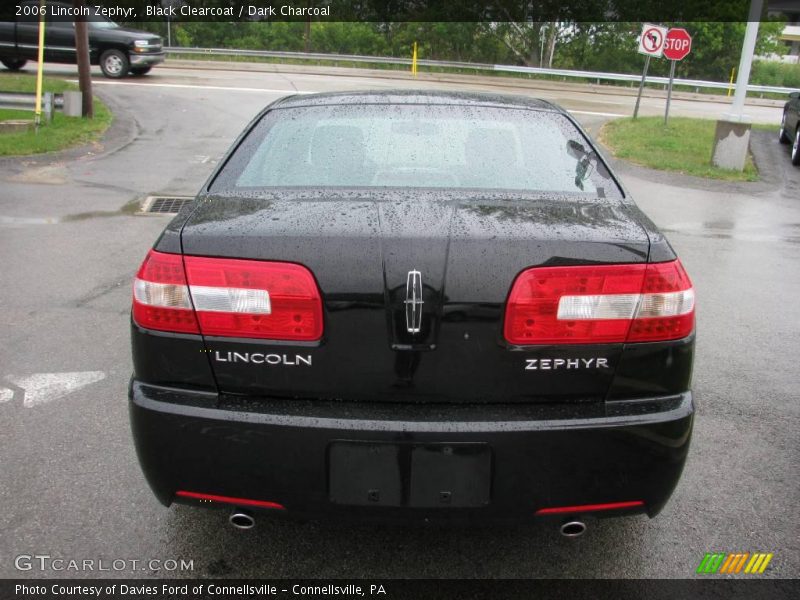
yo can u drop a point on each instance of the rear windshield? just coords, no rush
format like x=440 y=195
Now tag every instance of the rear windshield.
x=416 y=146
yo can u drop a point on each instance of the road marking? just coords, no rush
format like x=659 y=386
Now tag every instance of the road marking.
x=597 y=114
x=28 y=220
x=6 y=394
x=197 y=87
x=41 y=388
x=271 y=91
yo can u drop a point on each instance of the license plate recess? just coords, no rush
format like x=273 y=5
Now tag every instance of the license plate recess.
x=454 y=475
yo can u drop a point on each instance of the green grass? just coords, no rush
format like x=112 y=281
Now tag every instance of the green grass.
x=7 y=114
x=684 y=146
x=61 y=133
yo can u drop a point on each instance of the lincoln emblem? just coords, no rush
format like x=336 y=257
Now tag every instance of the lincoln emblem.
x=414 y=301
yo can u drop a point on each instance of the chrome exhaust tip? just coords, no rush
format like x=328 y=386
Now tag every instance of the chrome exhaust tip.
x=573 y=529
x=242 y=519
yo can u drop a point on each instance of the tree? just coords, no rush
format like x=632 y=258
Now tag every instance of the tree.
x=608 y=46
x=717 y=47
x=611 y=47
x=525 y=41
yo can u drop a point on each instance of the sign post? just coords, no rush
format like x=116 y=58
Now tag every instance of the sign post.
x=37 y=111
x=677 y=45
x=651 y=43
x=669 y=90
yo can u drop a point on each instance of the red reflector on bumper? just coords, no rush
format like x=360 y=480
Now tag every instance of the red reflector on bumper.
x=558 y=510
x=230 y=500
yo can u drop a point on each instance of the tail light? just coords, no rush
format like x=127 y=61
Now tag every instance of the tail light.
x=600 y=304
x=161 y=295
x=227 y=297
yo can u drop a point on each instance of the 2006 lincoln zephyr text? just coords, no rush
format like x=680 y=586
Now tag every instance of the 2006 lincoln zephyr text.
x=413 y=305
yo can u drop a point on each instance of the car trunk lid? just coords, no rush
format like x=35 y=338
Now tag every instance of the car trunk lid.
x=414 y=285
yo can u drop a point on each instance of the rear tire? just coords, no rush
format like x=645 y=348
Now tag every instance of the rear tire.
x=139 y=71
x=114 y=64
x=796 y=148
x=14 y=64
x=783 y=136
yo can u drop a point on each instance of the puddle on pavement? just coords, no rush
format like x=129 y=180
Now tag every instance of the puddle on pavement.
x=719 y=225
x=728 y=230
x=127 y=209
x=48 y=175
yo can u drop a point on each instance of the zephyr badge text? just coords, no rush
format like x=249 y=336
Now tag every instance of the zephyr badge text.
x=553 y=364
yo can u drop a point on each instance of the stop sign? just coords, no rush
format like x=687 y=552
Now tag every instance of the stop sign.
x=677 y=44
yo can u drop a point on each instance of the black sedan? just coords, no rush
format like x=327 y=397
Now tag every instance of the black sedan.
x=410 y=305
x=790 y=126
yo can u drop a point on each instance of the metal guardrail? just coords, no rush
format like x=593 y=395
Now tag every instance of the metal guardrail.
x=26 y=101
x=590 y=75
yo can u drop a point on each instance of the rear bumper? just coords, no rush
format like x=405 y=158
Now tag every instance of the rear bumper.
x=542 y=457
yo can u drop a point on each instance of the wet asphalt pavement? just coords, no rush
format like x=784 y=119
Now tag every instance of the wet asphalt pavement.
x=70 y=485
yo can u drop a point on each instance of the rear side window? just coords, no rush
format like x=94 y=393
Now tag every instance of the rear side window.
x=407 y=146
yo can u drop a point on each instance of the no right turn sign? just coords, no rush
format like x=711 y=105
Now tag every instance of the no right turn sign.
x=651 y=42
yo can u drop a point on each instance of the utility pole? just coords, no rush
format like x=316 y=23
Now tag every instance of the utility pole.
x=732 y=136
x=746 y=61
x=84 y=68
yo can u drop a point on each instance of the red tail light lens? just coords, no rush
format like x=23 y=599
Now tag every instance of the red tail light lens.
x=666 y=311
x=161 y=295
x=254 y=298
x=600 y=304
x=230 y=297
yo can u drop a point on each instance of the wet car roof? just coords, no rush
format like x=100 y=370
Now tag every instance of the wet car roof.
x=420 y=97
